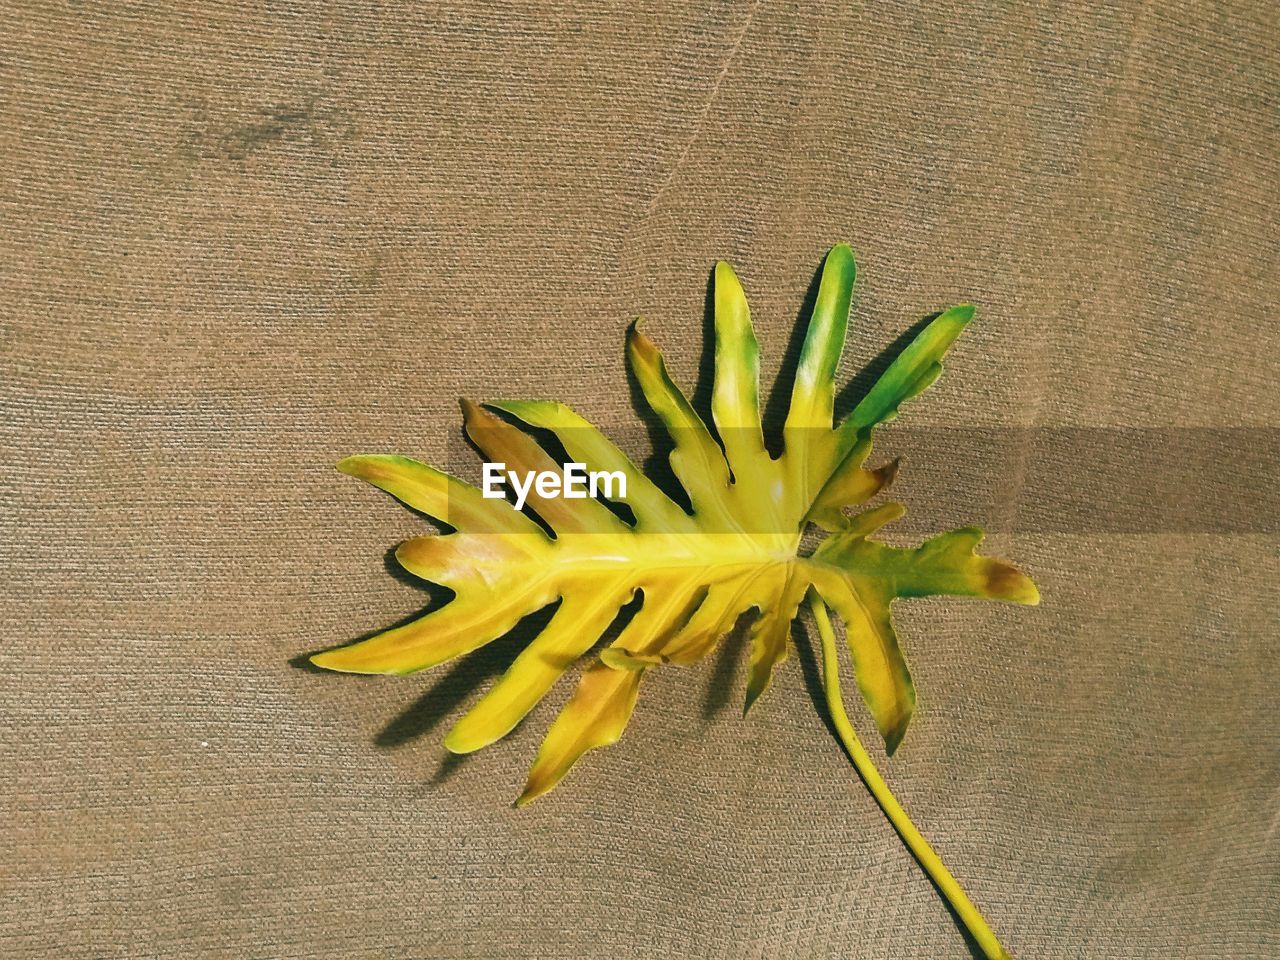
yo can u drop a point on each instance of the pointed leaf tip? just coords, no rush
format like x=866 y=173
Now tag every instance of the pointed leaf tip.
x=352 y=466
x=333 y=660
x=753 y=695
x=640 y=342
x=893 y=737
x=1007 y=582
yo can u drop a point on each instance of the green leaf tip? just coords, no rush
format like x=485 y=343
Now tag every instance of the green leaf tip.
x=841 y=258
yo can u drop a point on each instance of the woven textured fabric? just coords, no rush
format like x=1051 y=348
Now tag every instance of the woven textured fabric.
x=243 y=241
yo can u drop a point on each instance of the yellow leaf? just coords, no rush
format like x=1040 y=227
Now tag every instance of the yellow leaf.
x=739 y=553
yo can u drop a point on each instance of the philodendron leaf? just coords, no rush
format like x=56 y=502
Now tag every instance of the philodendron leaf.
x=738 y=552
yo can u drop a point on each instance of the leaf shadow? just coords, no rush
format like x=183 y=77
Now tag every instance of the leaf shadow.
x=773 y=414
x=657 y=461
x=449 y=765
x=812 y=674
x=704 y=383
x=720 y=682
x=465 y=676
x=860 y=383
x=456 y=685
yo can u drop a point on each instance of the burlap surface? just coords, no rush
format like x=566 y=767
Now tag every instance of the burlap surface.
x=242 y=241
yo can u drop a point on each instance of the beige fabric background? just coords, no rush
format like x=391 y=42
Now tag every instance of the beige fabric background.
x=242 y=241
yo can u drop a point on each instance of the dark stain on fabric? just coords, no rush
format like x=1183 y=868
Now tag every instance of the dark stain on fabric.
x=309 y=122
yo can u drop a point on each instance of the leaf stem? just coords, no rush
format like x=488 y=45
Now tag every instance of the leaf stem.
x=914 y=839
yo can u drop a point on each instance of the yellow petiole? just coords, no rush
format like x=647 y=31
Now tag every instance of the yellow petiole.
x=914 y=839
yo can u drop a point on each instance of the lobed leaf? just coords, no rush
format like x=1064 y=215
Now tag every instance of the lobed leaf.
x=740 y=554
